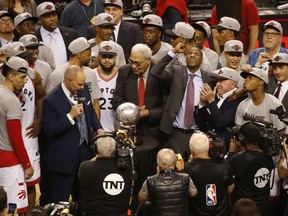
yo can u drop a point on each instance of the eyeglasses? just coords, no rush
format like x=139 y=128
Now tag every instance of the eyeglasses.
x=137 y=64
x=5 y=21
x=271 y=34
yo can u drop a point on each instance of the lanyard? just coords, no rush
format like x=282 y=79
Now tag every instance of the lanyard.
x=84 y=11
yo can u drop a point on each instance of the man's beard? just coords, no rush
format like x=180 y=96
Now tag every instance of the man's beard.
x=105 y=69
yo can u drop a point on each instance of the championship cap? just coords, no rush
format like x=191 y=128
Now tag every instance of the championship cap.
x=203 y=27
x=226 y=73
x=18 y=64
x=24 y=16
x=152 y=20
x=257 y=72
x=273 y=24
x=233 y=46
x=279 y=58
x=107 y=47
x=104 y=19
x=228 y=23
x=15 y=49
x=6 y=13
x=181 y=29
x=29 y=41
x=117 y=3
x=79 y=45
x=45 y=8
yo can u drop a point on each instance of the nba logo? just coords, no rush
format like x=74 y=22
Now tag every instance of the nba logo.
x=211 y=195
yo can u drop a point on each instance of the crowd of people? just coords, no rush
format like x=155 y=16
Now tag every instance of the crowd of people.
x=63 y=78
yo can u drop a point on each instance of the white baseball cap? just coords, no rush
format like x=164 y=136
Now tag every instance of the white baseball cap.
x=226 y=73
x=204 y=27
x=273 y=24
x=181 y=29
x=152 y=20
x=233 y=46
x=228 y=23
x=257 y=72
x=79 y=45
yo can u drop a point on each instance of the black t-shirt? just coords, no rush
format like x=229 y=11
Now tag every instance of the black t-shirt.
x=211 y=180
x=104 y=189
x=252 y=170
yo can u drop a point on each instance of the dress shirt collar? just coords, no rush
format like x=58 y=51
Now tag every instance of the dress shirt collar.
x=68 y=93
x=197 y=73
x=46 y=33
x=227 y=94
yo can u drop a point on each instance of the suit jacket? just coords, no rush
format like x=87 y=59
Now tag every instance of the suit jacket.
x=127 y=91
x=218 y=119
x=63 y=137
x=68 y=35
x=176 y=78
x=271 y=87
x=129 y=34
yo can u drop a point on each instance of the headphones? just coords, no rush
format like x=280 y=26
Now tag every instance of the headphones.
x=96 y=138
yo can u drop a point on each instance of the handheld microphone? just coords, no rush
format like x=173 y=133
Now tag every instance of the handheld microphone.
x=282 y=7
x=80 y=98
x=247 y=117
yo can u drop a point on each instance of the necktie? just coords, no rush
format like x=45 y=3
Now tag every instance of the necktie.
x=277 y=93
x=113 y=37
x=54 y=49
x=141 y=91
x=189 y=108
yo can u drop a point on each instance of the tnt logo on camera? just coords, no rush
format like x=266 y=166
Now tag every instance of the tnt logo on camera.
x=113 y=184
x=211 y=195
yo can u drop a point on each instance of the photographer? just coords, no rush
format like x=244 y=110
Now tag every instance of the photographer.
x=104 y=189
x=213 y=179
x=252 y=169
x=168 y=190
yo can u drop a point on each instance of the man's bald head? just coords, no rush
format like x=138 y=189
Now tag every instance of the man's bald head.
x=166 y=159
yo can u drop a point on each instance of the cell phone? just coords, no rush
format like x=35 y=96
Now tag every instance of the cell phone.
x=12 y=208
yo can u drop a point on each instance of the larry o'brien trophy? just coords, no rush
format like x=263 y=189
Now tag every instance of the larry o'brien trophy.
x=127 y=115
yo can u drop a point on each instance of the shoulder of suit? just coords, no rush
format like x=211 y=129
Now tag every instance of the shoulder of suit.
x=129 y=24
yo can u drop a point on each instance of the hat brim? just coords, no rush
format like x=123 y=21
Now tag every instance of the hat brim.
x=279 y=63
x=151 y=25
x=218 y=27
x=200 y=28
x=233 y=51
x=270 y=26
x=106 y=24
x=216 y=76
x=34 y=19
x=114 y=5
x=24 y=54
x=107 y=53
x=49 y=12
x=8 y=14
x=170 y=32
x=34 y=45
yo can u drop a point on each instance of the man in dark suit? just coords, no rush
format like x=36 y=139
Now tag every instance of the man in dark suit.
x=134 y=84
x=56 y=37
x=68 y=122
x=178 y=115
x=216 y=111
x=278 y=83
x=126 y=34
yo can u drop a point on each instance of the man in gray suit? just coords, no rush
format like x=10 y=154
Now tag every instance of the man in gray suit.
x=178 y=116
x=278 y=84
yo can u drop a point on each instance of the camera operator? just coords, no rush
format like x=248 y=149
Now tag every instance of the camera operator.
x=252 y=170
x=104 y=189
x=213 y=179
x=168 y=190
